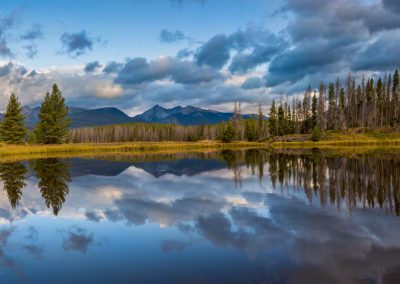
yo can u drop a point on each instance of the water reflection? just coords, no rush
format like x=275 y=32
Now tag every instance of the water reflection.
x=13 y=177
x=53 y=175
x=249 y=216
x=357 y=181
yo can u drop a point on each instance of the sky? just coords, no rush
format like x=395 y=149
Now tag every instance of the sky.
x=133 y=54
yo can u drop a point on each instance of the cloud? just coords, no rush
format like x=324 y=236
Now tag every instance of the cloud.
x=77 y=239
x=392 y=5
x=112 y=67
x=253 y=83
x=93 y=216
x=34 y=250
x=214 y=53
x=34 y=33
x=167 y=36
x=6 y=23
x=139 y=70
x=254 y=46
x=76 y=44
x=380 y=55
x=92 y=66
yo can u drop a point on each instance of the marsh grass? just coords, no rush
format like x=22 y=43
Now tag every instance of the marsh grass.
x=21 y=152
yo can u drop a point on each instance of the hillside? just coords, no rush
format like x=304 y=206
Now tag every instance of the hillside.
x=82 y=117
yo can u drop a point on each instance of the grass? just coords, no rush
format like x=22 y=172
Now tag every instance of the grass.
x=336 y=139
x=18 y=152
x=352 y=141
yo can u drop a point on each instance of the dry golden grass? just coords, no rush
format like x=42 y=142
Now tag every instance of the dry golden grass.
x=20 y=152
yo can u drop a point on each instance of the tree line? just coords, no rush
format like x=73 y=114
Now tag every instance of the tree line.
x=335 y=106
x=369 y=104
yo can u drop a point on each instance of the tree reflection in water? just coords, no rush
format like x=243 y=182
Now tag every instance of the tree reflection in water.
x=365 y=181
x=13 y=177
x=54 y=176
x=359 y=181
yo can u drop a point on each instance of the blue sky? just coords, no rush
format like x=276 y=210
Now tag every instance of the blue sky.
x=208 y=53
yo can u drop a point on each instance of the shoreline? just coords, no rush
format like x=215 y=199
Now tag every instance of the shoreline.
x=344 y=146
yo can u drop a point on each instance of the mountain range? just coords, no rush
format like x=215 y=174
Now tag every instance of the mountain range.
x=81 y=117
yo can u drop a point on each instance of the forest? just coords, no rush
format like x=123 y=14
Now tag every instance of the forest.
x=371 y=104
x=336 y=106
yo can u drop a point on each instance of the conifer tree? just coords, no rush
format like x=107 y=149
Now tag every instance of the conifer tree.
x=314 y=111
x=53 y=125
x=12 y=128
x=272 y=121
x=281 y=121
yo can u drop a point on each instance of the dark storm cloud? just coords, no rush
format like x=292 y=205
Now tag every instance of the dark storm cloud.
x=306 y=58
x=92 y=66
x=167 y=36
x=383 y=54
x=77 y=239
x=253 y=83
x=139 y=70
x=325 y=36
x=76 y=44
x=392 y=5
x=214 y=53
x=112 y=67
x=263 y=46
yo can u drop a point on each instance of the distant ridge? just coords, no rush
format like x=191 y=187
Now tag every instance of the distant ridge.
x=82 y=117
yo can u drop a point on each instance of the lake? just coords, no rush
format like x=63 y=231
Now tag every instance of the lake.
x=246 y=216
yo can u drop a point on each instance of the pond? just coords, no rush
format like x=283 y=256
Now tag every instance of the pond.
x=245 y=216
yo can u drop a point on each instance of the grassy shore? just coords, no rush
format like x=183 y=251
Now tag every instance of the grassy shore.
x=336 y=139
x=352 y=141
x=100 y=148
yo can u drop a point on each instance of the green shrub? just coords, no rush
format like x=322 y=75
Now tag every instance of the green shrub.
x=316 y=134
x=228 y=135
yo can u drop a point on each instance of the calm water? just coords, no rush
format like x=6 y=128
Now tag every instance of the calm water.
x=230 y=217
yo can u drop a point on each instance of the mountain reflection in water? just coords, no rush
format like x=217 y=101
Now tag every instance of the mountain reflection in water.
x=249 y=216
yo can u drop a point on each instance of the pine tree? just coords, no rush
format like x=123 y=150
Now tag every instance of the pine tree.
x=12 y=128
x=272 y=122
x=281 y=121
x=53 y=125
x=314 y=111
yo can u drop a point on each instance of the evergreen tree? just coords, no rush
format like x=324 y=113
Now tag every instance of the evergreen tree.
x=12 y=128
x=272 y=122
x=53 y=125
x=314 y=111
x=281 y=121
x=228 y=135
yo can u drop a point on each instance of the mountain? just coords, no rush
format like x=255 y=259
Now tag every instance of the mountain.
x=81 y=117
x=189 y=115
